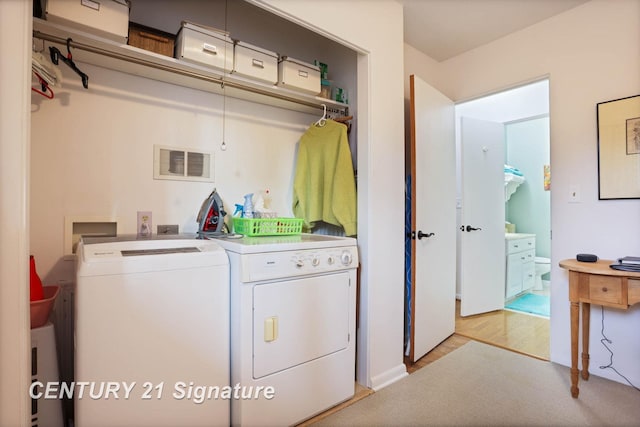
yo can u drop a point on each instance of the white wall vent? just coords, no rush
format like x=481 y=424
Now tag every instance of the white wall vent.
x=182 y=164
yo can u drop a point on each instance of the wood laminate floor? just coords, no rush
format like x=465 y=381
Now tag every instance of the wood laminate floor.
x=519 y=332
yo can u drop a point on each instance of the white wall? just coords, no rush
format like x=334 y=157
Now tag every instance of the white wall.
x=590 y=54
x=416 y=62
x=93 y=156
x=15 y=338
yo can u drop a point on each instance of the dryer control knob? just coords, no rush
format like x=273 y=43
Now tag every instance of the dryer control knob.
x=299 y=263
x=330 y=260
x=315 y=262
x=346 y=258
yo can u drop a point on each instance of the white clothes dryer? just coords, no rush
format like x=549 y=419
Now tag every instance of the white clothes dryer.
x=152 y=323
x=293 y=326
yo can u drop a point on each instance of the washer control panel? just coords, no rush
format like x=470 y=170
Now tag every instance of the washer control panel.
x=273 y=265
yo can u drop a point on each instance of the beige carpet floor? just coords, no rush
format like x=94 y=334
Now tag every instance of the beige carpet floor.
x=482 y=385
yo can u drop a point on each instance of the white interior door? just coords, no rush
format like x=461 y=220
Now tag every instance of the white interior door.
x=433 y=254
x=482 y=253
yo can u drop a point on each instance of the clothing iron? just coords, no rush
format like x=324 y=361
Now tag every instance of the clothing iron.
x=211 y=216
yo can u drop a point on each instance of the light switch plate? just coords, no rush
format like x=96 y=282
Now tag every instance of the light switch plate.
x=574 y=193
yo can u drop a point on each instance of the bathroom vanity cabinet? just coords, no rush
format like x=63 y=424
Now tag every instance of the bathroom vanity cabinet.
x=520 y=253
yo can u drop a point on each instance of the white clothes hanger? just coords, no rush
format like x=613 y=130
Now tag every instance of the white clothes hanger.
x=45 y=68
x=323 y=120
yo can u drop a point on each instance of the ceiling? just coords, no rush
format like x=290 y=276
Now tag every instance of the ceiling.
x=443 y=29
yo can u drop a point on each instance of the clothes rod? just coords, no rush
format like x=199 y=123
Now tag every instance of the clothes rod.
x=218 y=80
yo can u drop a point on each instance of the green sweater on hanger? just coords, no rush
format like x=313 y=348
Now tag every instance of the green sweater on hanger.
x=324 y=187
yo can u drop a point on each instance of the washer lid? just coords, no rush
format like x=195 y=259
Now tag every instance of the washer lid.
x=125 y=255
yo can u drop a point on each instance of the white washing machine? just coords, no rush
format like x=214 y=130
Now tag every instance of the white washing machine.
x=293 y=315
x=152 y=326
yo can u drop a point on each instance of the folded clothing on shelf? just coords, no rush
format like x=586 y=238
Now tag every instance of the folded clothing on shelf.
x=512 y=170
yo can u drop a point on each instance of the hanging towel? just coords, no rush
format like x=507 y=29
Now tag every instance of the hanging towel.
x=324 y=187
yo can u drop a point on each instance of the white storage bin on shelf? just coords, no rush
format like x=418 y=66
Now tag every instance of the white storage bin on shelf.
x=205 y=45
x=105 y=18
x=255 y=63
x=298 y=75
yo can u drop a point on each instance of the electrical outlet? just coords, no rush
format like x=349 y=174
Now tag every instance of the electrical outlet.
x=167 y=229
x=144 y=224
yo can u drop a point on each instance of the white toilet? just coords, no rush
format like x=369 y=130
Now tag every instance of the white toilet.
x=543 y=266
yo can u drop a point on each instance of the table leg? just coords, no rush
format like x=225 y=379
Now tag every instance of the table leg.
x=586 y=314
x=575 y=326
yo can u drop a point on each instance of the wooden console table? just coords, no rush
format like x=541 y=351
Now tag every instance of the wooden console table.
x=597 y=283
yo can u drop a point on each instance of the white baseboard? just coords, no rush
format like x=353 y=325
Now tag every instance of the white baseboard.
x=389 y=377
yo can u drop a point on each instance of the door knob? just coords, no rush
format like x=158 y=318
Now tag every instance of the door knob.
x=421 y=234
x=470 y=228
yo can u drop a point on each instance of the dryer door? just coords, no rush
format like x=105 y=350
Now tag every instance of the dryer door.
x=297 y=321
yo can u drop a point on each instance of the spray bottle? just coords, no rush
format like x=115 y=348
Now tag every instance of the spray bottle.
x=248 y=205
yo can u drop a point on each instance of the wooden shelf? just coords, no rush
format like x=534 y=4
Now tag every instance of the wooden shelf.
x=106 y=53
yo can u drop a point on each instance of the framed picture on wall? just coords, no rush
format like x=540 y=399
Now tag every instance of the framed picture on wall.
x=619 y=148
